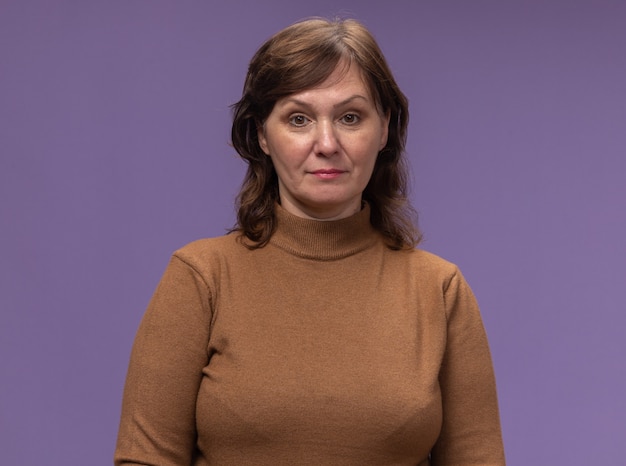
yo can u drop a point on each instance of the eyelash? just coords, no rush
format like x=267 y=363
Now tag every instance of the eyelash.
x=355 y=118
x=292 y=120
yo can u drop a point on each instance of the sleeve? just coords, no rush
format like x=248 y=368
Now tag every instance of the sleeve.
x=157 y=424
x=470 y=433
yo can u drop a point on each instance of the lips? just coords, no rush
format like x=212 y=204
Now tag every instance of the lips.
x=328 y=173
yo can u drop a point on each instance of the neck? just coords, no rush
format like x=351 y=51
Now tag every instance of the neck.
x=323 y=240
x=325 y=213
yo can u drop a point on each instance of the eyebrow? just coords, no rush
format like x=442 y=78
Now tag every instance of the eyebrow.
x=339 y=104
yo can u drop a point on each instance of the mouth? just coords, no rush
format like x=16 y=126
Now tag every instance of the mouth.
x=328 y=173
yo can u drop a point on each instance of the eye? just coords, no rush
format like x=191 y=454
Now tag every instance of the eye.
x=350 y=119
x=298 y=120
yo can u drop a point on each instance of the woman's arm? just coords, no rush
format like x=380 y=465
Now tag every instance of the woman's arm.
x=170 y=350
x=471 y=432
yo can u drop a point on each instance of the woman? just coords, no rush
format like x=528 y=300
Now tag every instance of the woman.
x=314 y=333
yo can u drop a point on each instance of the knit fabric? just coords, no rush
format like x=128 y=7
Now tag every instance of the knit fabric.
x=324 y=347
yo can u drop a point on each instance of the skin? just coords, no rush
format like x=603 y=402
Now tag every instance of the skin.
x=324 y=142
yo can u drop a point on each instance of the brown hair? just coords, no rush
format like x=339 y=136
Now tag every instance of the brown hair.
x=298 y=58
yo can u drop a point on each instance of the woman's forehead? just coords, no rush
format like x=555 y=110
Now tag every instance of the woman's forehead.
x=346 y=82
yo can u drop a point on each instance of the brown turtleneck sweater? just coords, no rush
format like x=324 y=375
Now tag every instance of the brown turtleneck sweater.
x=322 y=348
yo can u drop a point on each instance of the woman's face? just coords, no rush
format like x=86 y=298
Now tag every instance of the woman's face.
x=323 y=143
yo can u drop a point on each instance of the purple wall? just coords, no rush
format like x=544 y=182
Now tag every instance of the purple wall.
x=114 y=125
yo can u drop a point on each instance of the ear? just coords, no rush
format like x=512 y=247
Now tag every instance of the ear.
x=260 y=132
x=385 y=130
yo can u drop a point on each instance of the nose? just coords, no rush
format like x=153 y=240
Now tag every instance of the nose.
x=326 y=143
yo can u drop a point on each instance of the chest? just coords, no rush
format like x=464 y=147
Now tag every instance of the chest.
x=330 y=354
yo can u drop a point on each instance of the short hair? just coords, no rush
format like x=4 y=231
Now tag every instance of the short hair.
x=300 y=57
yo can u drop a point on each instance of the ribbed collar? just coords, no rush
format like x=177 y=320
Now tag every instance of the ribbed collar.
x=323 y=240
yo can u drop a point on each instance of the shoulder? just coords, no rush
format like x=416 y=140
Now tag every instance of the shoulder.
x=208 y=254
x=207 y=247
x=432 y=271
x=428 y=264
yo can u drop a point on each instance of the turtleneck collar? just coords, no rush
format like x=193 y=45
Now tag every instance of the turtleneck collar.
x=323 y=240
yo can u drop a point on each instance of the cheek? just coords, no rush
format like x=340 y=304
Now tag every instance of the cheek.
x=370 y=169
x=369 y=153
x=290 y=151
x=369 y=162
x=261 y=133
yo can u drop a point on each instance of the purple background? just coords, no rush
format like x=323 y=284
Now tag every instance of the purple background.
x=114 y=128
